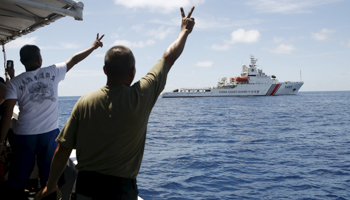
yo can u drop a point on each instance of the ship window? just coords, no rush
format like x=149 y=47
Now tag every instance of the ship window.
x=207 y=90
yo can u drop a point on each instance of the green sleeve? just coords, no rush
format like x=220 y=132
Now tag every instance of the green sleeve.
x=154 y=82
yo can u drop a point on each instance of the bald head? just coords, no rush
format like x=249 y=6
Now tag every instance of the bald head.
x=119 y=62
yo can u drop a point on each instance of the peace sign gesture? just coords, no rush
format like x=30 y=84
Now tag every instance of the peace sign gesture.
x=97 y=43
x=187 y=22
x=76 y=58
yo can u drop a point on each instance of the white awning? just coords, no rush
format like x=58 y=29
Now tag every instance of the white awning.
x=20 y=17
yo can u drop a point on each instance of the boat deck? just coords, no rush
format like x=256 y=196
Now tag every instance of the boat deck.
x=67 y=189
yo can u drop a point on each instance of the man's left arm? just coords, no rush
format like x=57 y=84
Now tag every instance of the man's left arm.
x=76 y=58
x=173 y=52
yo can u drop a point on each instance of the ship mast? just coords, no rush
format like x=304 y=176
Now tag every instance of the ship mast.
x=252 y=61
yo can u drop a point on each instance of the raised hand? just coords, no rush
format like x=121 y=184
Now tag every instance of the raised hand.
x=76 y=58
x=173 y=52
x=97 y=43
x=187 y=22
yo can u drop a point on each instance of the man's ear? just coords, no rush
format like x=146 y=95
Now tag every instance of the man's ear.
x=40 y=60
x=104 y=70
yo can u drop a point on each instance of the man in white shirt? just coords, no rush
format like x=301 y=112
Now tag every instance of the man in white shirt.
x=37 y=126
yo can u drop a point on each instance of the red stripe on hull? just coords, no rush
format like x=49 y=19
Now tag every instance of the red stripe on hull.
x=275 y=89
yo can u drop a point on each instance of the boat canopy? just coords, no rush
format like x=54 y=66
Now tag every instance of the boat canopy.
x=20 y=17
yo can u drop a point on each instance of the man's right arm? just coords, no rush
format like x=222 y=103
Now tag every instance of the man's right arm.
x=175 y=49
x=76 y=58
x=58 y=164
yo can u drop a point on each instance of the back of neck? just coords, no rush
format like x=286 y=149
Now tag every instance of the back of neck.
x=32 y=68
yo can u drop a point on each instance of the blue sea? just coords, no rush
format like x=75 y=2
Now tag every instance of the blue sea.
x=269 y=147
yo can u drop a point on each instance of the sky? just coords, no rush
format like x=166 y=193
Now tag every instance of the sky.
x=294 y=40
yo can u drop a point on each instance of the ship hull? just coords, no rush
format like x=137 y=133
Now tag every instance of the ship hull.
x=281 y=88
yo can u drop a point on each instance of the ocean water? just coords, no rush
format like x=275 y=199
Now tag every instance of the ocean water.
x=270 y=147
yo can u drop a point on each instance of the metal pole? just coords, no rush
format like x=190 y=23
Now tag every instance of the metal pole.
x=3 y=50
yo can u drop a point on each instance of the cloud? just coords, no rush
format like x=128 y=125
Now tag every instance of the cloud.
x=347 y=43
x=238 y=36
x=100 y=55
x=207 y=22
x=322 y=35
x=223 y=47
x=278 y=39
x=130 y=44
x=158 y=5
x=242 y=36
x=220 y=22
x=287 y=6
x=115 y=35
x=138 y=27
x=70 y=46
x=204 y=64
x=86 y=73
x=20 y=42
x=284 y=49
x=160 y=33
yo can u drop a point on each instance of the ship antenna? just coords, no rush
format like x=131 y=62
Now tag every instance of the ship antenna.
x=253 y=61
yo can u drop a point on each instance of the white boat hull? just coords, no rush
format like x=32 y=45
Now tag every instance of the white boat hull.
x=282 y=88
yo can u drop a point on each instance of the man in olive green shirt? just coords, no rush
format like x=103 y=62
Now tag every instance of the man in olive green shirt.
x=108 y=126
x=111 y=122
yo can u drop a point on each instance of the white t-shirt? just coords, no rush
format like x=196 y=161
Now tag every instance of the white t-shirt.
x=37 y=95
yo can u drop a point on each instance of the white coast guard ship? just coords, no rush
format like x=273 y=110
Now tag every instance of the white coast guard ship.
x=252 y=82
